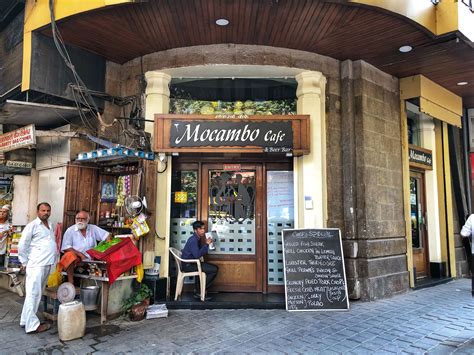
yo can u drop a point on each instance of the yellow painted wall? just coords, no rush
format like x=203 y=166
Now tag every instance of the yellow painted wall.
x=449 y=206
x=37 y=15
x=435 y=100
x=447 y=16
x=420 y=11
x=37 y=11
x=406 y=190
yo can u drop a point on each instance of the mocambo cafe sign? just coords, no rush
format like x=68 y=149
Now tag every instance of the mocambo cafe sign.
x=201 y=133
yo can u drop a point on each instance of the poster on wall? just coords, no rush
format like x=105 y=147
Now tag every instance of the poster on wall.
x=107 y=192
x=6 y=191
x=280 y=203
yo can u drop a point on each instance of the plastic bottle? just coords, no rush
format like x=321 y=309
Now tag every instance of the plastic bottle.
x=71 y=321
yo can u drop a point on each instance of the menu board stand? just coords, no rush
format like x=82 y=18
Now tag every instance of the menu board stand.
x=315 y=277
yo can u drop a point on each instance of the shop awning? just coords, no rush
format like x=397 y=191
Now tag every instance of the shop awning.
x=114 y=155
x=14 y=170
x=435 y=100
x=42 y=115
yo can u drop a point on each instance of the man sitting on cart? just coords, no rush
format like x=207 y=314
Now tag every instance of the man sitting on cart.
x=77 y=239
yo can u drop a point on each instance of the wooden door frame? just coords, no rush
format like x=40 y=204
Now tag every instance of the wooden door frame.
x=258 y=257
x=283 y=166
x=76 y=198
x=197 y=164
x=420 y=175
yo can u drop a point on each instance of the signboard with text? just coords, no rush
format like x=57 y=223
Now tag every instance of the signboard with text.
x=20 y=138
x=315 y=277
x=288 y=134
x=221 y=133
x=420 y=157
x=18 y=164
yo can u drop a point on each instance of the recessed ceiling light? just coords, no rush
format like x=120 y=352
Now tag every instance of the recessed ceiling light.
x=405 y=49
x=222 y=22
x=461 y=83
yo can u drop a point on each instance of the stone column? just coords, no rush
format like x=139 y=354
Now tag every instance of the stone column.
x=157 y=96
x=310 y=170
x=157 y=101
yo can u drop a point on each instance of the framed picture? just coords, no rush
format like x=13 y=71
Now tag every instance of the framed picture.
x=107 y=192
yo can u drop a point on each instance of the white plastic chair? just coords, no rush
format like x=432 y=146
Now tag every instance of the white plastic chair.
x=181 y=274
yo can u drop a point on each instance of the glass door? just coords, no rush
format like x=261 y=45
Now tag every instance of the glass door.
x=418 y=226
x=280 y=215
x=184 y=194
x=232 y=207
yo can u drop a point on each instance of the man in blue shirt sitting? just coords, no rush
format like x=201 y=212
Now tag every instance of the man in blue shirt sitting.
x=194 y=249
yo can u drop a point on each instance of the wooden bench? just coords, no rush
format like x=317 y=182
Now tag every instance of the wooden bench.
x=104 y=284
x=50 y=298
x=104 y=292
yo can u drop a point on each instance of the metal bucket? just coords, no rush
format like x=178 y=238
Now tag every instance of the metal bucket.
x=89 y=297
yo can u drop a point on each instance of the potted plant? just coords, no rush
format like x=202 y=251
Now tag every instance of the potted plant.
x=137 y=303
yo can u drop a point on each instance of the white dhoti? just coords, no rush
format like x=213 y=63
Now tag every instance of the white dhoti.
x=36 y=278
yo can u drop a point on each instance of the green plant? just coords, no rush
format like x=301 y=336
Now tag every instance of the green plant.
x=137 y=297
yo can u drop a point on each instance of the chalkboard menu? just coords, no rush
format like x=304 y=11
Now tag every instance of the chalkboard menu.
x=315 y=277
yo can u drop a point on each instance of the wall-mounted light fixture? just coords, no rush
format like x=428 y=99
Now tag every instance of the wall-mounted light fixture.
x=161 y=157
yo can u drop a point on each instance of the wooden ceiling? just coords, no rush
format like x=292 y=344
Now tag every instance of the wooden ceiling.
x=332 y=28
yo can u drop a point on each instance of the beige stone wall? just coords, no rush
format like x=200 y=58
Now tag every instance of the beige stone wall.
x=334 y=140
x=232 y=54
x=375 y=246
x=109 y=128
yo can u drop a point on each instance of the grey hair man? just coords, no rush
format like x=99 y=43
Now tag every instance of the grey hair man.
x=77 y=240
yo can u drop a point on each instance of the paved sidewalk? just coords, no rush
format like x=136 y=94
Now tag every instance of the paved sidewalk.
x=437 y=320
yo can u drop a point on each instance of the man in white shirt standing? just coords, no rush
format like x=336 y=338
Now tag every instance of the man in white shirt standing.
x=5 y=231
x=38 y=256
x=467 y=229
x=77 y=239
x=467 y=232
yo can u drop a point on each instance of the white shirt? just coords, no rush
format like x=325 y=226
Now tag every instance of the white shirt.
x=3 y=238
x=466 y=230
x=73 y=238
x=37 y=245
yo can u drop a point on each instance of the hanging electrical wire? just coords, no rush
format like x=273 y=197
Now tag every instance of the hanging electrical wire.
x=135 y=131
x=84 y=102
x=116 y=100
x=84 y=97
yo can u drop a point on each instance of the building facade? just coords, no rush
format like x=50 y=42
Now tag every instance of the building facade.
x=376 y=89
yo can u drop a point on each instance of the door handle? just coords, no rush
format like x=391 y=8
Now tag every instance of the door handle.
x=259 y=220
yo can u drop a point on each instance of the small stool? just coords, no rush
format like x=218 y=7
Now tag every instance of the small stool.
x=50 y=297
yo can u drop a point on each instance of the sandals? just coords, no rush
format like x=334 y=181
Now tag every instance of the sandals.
x=41 y=328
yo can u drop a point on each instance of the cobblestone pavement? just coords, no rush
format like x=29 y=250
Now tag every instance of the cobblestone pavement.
x=437 y=320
